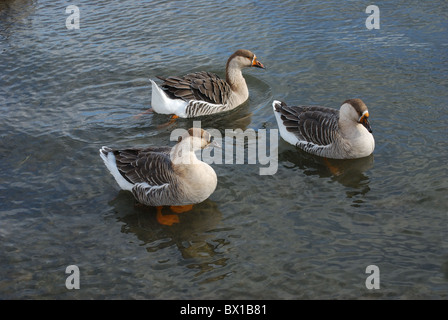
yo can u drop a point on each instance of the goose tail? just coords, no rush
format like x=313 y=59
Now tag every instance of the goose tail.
x=277 y=104
x=288 y=136
x=108 y=157
x=162 y=104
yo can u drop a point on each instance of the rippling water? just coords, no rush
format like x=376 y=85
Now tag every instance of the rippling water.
x=306 y=232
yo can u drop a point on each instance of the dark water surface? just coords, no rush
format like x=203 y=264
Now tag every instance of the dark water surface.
x=306 y=232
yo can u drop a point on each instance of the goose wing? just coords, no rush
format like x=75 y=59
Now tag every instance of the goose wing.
x=151 y=172
x=204 y=86
x=310 y=124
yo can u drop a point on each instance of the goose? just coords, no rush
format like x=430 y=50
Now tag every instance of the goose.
x=203 y=93
x=165 y=176
x=327 y=132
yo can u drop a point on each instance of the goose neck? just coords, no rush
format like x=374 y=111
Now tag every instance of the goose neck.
x=234 y=77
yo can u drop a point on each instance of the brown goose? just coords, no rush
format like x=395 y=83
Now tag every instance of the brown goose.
x=204 y=93
x=165 y=176
x=327 y=132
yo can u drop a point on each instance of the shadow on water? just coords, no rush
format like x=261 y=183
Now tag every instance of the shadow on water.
x=193 y=236
x=349 y=173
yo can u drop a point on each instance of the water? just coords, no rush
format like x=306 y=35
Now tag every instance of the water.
x=306 y=232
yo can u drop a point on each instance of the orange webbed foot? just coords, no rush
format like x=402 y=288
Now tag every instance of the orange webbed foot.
x=150 y=110
x=168 y=219
x=333 y=169
x=172 y=120
x=180 y=209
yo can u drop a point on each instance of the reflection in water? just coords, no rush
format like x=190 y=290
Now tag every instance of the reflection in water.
x=14 y=13
x=17 y=7
x=350 y=173
x=445 y=268
x=192 y=236
x=240 y=117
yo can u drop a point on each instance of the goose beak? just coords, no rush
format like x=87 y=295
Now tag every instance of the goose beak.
x=256 y=63
x=364 y=120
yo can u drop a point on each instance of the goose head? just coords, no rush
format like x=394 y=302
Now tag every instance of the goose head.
x=243 y=59
x=196 y=139
x=355 y=111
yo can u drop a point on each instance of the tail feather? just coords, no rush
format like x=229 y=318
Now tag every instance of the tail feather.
x=161 y=103
x=109 y=160
x=277 y=104
x=284 y=133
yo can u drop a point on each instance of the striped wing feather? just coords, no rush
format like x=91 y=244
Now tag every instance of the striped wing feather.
x=313 y=124
x=151 y=171
x=204 y=86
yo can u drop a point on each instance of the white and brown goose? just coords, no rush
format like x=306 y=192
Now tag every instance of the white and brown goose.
x=327 y=132
x=165 y=176
x=204 y=93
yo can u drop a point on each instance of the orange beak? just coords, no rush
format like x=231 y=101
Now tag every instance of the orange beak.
x=364 y=120
x=256 y=63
